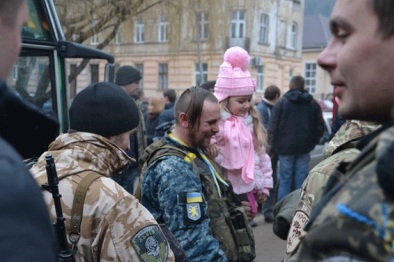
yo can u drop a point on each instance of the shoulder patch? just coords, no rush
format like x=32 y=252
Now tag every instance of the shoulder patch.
x=150 y=244
x=193 y=211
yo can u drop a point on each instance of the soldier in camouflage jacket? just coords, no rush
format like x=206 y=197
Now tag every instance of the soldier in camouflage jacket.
x=171 y=189
x=115 y=226
x=354 y=220
x=340 y=148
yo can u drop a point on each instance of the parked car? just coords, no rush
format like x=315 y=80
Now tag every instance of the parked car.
x=317 y=153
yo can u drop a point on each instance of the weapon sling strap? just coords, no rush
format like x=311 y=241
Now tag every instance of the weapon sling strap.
x=77 y=207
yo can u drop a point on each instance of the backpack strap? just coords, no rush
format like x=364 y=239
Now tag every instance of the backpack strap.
x=155 y=151
x=77 y=207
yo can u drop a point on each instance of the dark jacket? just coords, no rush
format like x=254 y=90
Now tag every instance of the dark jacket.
x=166 y=120
x=23 y=125
x=26 y=233
x=265 y=110
x=151 y=124
x=296 y=123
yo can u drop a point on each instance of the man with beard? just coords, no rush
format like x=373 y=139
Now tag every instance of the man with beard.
x=178 y=195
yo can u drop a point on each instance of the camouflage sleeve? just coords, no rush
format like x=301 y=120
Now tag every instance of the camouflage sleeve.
x=172 y=192
x=311 y=193
x=130 y=233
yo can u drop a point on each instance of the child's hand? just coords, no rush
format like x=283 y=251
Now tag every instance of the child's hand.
x=248 y=210
x=212 y=151
x=260 y=197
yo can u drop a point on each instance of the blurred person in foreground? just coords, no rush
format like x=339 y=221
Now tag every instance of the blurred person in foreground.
x=26 y=233
x=354 y=219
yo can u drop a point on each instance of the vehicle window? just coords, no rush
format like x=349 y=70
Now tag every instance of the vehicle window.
x=37 y=28
x=32 y=82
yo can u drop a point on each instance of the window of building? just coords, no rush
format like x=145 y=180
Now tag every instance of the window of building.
x=163 y=76
x=264 y=25
x=117 y=38
x=140 y=67
x=139 y=31
x=260 y=78
x=203 y=25
x=163 y=29
x=94 y=73
x=293 y=36
x=201 y=76
x=238 y=24
x=282 y=34
x=310 y=77
x=94 y=40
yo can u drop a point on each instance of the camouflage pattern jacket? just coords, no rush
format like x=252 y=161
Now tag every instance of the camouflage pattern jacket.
x=173 y=193
x=354 y=219
x=340 y=148
x=115 y=226
x=141 y=129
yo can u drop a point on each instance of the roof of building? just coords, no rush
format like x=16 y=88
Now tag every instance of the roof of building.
x=316 y=32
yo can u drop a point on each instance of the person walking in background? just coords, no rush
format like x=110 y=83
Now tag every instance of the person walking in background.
x=354 y=219
x=114 y=225
x=27 y=233
x=128 y=78
x=296 y=126
x=166 y=118
x=155 y=107
x=271 y=95
x=241 y=140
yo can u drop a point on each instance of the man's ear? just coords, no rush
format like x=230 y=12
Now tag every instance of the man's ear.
x=184 y=120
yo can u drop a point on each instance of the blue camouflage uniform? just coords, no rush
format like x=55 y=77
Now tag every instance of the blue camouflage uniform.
x=173 y=193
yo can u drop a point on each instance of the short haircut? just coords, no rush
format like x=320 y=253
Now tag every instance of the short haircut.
x=384 y=10
x=209 y=85
x=8 y=9
x=171 y=94
x=271 y=92
x=297 y=82
x=191 y=103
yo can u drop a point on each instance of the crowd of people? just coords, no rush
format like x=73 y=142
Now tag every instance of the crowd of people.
x=180 y=179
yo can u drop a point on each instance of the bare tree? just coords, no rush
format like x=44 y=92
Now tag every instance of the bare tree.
x=83 y=19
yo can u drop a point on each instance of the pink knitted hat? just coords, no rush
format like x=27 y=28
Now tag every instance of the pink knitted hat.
x=234 y=78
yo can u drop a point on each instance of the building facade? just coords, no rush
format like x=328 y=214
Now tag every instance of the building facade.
x=315 y=38
x=183 y=45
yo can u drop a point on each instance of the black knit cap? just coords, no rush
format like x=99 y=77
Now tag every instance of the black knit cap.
x=127 y=75
x=104 y=109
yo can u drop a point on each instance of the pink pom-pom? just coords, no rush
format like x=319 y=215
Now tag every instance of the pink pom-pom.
x=237 y=57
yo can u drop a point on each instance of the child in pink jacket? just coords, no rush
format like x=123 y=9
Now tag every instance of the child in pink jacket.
x=241 y=139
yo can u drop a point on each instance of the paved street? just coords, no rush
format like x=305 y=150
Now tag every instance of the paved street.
x=269 y=247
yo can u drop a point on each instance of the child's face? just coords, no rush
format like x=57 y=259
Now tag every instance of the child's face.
x=239 y=105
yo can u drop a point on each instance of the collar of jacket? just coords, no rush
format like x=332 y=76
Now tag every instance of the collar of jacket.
x=80 y=151
x=248 y=120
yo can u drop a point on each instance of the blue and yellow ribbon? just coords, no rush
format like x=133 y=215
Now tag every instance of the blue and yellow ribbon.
x=215 y=175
